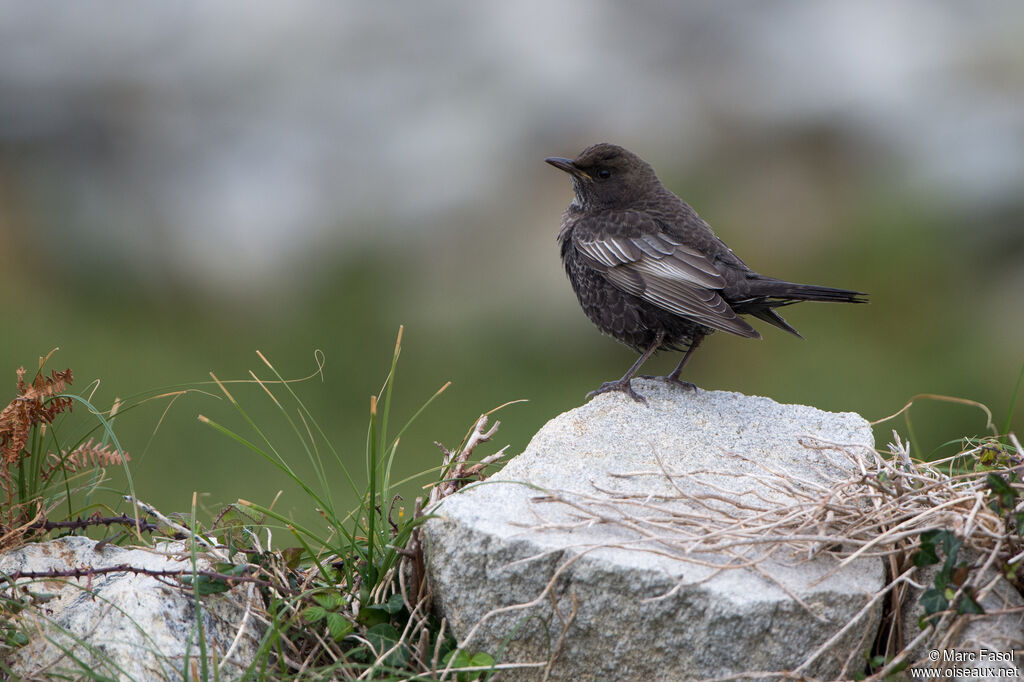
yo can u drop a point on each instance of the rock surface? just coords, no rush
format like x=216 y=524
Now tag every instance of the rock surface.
x=128 y=626
x=622 y=528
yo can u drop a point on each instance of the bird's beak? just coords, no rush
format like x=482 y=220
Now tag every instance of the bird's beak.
x=566 y=165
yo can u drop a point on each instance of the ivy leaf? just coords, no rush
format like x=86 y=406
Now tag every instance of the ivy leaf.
x=950 y=545
x=941 y=580
x=933 y=601
x=926 y=555
x=373 y=615
x=394 y=604
x=383 y=632
x=1006 y=494
x=382 y=637
x=968 y=604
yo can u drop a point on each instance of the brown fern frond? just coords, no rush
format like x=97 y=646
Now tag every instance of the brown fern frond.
x=46 y=387
x=14 y=427
x=88 y=455
x=30 y=408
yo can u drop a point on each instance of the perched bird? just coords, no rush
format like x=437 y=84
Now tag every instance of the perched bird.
x=650 y=272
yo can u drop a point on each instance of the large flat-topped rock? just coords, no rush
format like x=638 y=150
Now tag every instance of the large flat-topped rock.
x=643 y=535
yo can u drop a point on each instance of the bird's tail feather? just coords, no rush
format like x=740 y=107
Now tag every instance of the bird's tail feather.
x=776 y=292
x=763 y=295
x=773 y=318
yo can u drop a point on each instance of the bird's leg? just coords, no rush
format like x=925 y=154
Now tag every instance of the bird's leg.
x=623 y=384
x=673 y=378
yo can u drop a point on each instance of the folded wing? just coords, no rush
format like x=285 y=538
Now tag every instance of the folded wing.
x=662 y=271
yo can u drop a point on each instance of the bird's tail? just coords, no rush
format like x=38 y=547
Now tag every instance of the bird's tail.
x=763 y=294
x=785 y=293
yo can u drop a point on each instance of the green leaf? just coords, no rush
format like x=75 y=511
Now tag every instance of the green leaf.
x=394 y=604
x=41 y=598
x=292 y=556
x=382 y=637
x=338 y=626
x=16 y=639
x=461 y=658
x=999 y=485
x=933 y=601
x=312 y=614
x=373 y=615
x=206 y=585
x=941 y=580
x=1006 y=494
x=332 y=601
x=926 y=555
x=901 y=666
x=480 y=659
x=968 y=604
x=225 y=568
x=385 y=630
x=950 y=545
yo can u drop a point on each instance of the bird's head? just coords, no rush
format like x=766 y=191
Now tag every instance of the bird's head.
x=608 y=176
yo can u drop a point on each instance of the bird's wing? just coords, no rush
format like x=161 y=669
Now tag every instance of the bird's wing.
x=661 y=270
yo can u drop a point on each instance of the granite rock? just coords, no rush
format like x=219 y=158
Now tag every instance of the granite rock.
x=613 y=546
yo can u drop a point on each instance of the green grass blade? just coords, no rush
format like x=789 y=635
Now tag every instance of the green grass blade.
x=293 y=526
x=371 y=512
x=316 y=425
x=389 y=384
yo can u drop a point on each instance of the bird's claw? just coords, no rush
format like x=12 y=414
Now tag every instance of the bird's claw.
x=623 y=386
x=675 y=381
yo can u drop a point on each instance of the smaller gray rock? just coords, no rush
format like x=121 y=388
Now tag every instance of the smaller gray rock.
x=127 y=626
x=641 y=580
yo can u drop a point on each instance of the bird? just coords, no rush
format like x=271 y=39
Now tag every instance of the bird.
x=650 y=272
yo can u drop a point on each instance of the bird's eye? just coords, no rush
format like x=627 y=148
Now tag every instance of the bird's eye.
x=604 y=173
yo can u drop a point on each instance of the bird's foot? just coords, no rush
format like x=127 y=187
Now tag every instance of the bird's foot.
x=675 y=381
x=622 y=385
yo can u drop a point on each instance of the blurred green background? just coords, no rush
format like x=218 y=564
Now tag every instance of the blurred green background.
x=183 y=185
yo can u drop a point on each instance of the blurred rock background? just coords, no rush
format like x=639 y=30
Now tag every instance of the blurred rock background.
x=183 y=184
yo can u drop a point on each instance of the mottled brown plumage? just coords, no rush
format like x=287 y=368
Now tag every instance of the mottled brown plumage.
x=650 y=272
